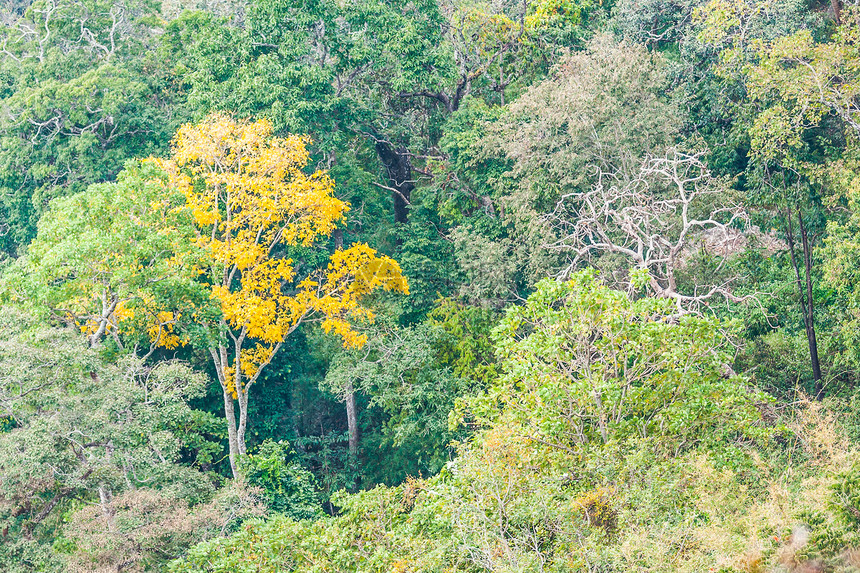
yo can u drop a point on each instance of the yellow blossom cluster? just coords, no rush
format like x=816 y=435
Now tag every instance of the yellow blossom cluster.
x=254 y=191
x=144 y=315
x=351 y=274
x=249 y=197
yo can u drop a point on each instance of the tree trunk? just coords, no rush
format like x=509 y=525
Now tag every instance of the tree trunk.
x=105 y=498
x=243 y=421
x=105 y=494
x=352 y=420
x=109 y=304
x=601 y=416
x=810 y=307
x=836 y=6
x=400 y=180
x=351 y=414
x=241 y=393
x=219 y=359
x=232 y=433
x=806 y=304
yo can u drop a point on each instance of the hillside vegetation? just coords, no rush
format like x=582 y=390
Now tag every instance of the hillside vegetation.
x=425 y=286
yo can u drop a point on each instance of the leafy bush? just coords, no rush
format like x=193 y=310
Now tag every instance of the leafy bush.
x=288 y=488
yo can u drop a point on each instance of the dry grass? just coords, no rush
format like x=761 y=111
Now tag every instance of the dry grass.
x=731 y=528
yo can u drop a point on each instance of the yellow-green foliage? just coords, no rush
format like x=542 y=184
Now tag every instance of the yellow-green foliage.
x=508 y=504
x=517 y=500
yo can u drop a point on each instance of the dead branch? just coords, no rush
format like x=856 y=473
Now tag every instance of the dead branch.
x=672 y=206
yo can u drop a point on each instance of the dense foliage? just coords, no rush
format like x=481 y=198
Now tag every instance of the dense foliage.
x=438 y=285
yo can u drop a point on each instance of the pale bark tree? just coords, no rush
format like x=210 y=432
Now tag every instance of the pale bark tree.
x=654 y=221
x=253 y=201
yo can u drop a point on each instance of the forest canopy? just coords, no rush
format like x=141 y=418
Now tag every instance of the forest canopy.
x=429 y=285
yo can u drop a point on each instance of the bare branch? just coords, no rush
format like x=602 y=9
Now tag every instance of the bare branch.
x=670 y=208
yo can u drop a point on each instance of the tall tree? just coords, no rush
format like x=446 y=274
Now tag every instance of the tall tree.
x=202 y=249
x=801 y=107
x=251 y=204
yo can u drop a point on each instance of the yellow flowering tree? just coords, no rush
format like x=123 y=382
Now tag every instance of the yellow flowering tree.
x=251 y=202
x=196 y=249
